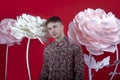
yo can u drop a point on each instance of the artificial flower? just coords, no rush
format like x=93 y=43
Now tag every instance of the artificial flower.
x=97 y=30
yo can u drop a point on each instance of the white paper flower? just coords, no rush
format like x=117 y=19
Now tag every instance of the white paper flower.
x=32 y=27
x=97 y=30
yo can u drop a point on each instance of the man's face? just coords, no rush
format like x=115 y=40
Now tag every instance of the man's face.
x=55 y=29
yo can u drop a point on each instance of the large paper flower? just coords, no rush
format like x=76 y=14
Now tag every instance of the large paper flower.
x=6 y=36
x=32 y=27
x=97 y=30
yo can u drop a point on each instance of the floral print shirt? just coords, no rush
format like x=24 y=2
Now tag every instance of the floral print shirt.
x=62 y=61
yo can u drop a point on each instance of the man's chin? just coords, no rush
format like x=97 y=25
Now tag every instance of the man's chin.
x=55 y=37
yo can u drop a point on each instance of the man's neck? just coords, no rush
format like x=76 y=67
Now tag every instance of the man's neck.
x=60 y=38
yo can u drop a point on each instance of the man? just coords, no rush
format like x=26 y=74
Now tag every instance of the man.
x=62 y=60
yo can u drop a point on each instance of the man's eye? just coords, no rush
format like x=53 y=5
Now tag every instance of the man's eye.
x=49 y=28
x=54 y=26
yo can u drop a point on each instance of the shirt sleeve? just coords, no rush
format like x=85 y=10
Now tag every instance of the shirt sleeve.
x=45 y=71
x=79 y=63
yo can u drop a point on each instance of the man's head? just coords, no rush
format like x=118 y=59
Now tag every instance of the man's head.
x=55 y=27
x=53 y=19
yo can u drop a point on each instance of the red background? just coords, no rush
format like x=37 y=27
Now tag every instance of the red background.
x=66 y=9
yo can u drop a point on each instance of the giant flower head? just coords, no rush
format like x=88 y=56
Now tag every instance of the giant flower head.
x=32 y=27
x=97 y=30
x=6 y=36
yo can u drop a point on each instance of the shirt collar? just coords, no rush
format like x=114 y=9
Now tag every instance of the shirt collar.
x=62 y=42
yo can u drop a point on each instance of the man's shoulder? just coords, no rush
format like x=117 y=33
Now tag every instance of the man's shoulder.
x=50 y=45
x=74 y=45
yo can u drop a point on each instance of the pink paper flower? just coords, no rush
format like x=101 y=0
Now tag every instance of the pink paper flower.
x=97 y=30
x=5 y=32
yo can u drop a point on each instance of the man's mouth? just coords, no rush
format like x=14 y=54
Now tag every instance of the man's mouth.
x=54 y=34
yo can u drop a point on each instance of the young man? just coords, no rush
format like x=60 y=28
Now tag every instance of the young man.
x=62 y=60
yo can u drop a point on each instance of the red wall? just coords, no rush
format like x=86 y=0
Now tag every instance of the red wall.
x=66 y=9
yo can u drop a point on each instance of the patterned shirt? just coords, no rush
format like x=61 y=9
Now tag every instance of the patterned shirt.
x=62 y=61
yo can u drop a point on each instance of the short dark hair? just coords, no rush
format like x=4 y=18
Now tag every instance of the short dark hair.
x=53 y=19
